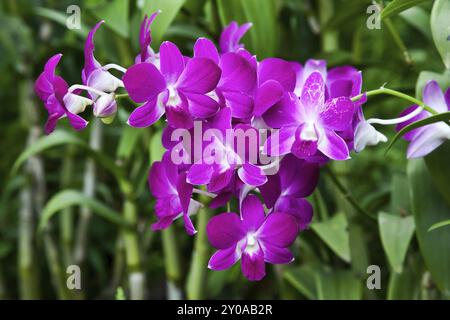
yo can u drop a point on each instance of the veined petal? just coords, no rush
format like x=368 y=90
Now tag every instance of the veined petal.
x=225 y=230
x=337 y=113
x=201 y=106
x=333 y=146
x=280 y=143
x=143 y=82
x=313 y=93
x=200 y=174
x=224 y=258
x=172 y=61
x=287 y=112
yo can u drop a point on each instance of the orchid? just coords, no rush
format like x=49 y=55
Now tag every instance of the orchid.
x=299 y=117
x=253 y=237
x=426 y=139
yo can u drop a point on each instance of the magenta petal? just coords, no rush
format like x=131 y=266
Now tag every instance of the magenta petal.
x=303 y=148
x=146 y=115
x=252 y=213
x=287 y=112
x=224 y=230
x=143 y=82
x=237 y=74
x=298 y=177
x=277 y=255
x=253 y=265
x=160 y=180
x=179 y=117
x=280 y=229
x=280 y=143
x=220 y=181
x=184 y=190
x=337 y=113
x=205 y=48
x=231 y=35
x=172 y=61
x=433 y=97
x=201 y=75
x=427 y=140
x=201 y=106
x=43 y=85
x=279 y=70
x=313 y=65
x=252 y=175
x=90 y=64
x=224 y=258
x=240 y=103
x=188 y=225
x=77 y=122
x=162 y=223
x=269 y=93
x=271 y=190
x=313 y=93
x=199 y=174
x=333 y=146
x=300 y=208
x=447 y=98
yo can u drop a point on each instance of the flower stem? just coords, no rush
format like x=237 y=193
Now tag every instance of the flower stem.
x=121 y=96
x=395 y=93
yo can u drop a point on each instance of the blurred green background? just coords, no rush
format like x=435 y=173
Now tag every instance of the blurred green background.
x=81 y=198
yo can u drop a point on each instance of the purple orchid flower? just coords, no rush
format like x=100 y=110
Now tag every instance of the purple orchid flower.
x=178 y=89
x=254 y=237
x=285 y=191
x=237 y=82
x=309 y=124
x=216 y=169
x=231 y=36
x=425 y=139
x=173 y=195
x=53 y=91
x=145 y=39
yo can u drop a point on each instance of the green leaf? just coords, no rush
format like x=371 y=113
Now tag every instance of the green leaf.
x=302 y=279
x=335 y=234
x=440 y=29
x=127 y=142
x=116 y=16
x=262 y=38
x=445 y=116
x=403 y=286
x=400 y=197
x=437 y=164
x=396 y=233
x=156 y=148
x=169 y=10
x=424 y=76
x=397 y=6
x=68 y=198
x=428 y=209
x=419 y=19
x=338 y=285
x=61 y=18
x=439 y=225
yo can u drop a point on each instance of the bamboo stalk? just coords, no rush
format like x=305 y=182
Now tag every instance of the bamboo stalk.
x=89 y=186
x=172 y=263
x=66 y=216
x=197 y=277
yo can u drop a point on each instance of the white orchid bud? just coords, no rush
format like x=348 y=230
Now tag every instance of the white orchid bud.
x=104 y=81
x=367 y=135
x=105 y=106
x=76 y=104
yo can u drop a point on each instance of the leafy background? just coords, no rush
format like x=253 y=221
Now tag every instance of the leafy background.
x=81 y=198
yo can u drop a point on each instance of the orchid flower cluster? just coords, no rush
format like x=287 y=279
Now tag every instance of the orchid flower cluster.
x=282 y=122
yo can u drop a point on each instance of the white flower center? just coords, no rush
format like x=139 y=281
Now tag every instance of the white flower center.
x=309 y=132
x=174 y=98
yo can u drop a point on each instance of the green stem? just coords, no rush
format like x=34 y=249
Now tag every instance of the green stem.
x=346 y=194
x=136 y=276
x=121 y=96
x=395 y=93
x=66 y=216
x=172 y=262
x=196 y=282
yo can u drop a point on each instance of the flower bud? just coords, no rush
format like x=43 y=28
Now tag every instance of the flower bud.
x=105 y=106
x=76 y=104
x=367 y=135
